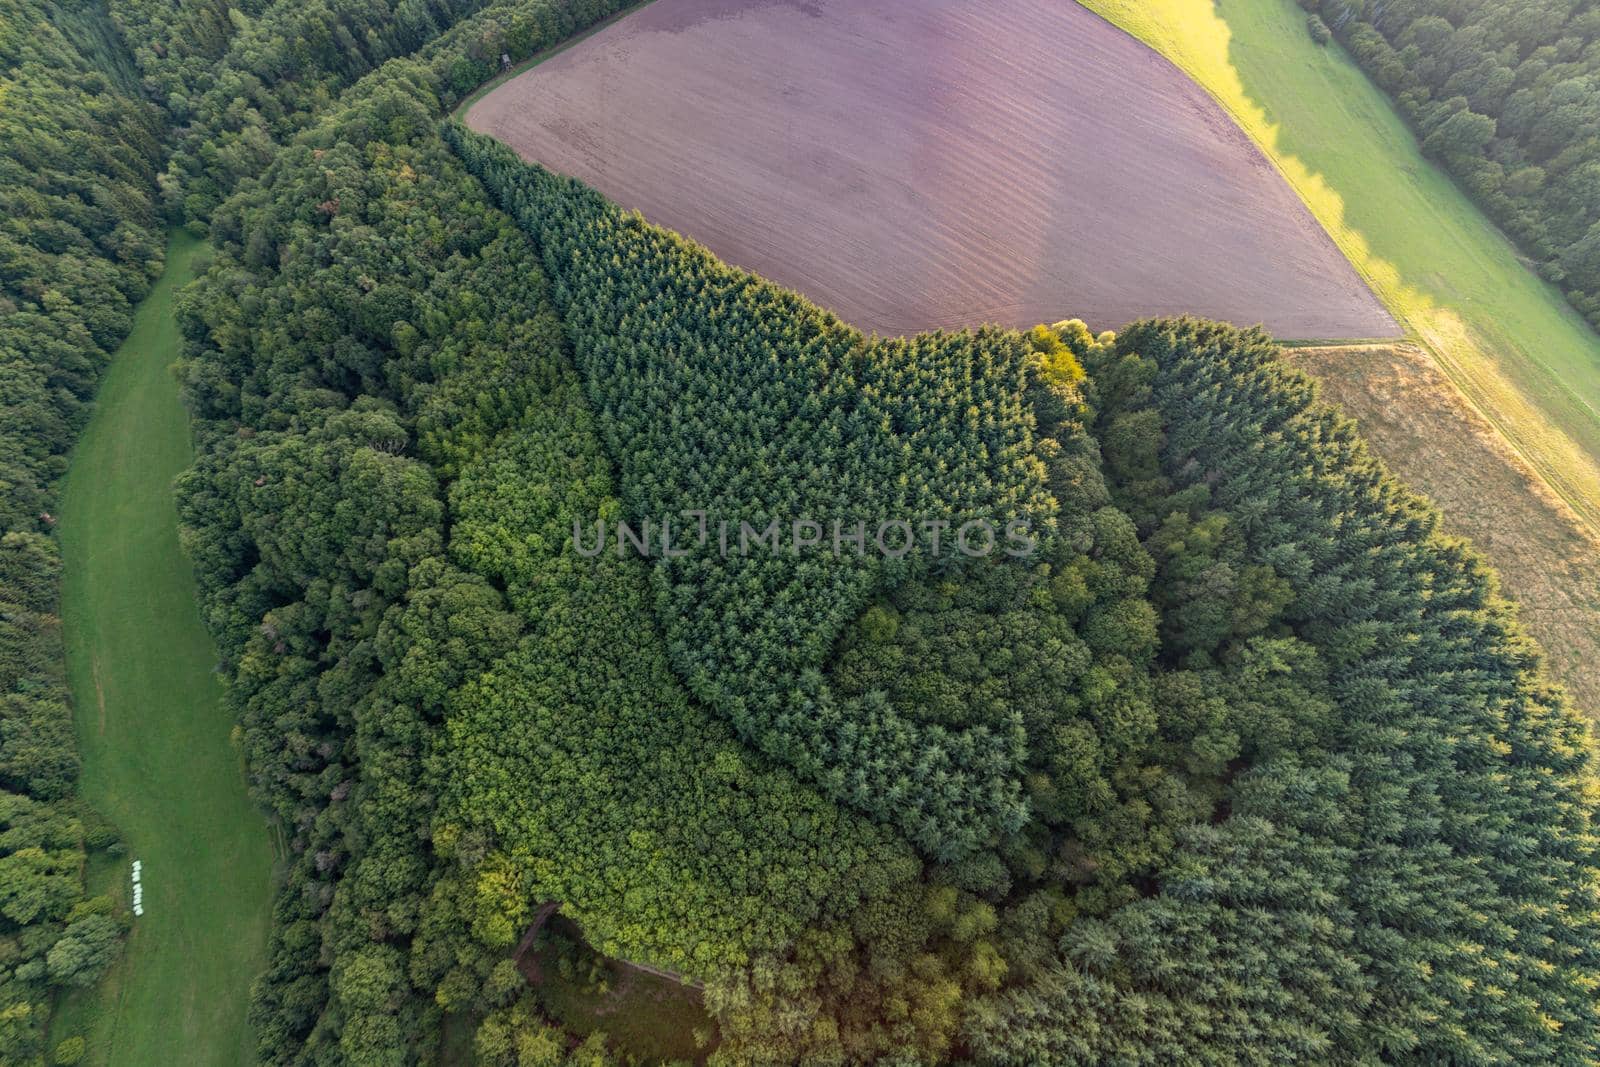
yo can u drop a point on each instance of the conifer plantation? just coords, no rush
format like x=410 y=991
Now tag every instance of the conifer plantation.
x=1243 y=761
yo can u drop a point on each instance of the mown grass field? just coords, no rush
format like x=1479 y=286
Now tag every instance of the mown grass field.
x=151 y=728
x=1508 y=341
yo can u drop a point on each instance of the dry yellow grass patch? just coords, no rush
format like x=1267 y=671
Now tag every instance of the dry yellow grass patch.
x=1420 y=425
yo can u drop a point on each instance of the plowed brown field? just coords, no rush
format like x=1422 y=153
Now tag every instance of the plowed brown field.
x=924 y=163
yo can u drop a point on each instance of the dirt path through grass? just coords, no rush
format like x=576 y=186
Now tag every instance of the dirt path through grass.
x=151 y=728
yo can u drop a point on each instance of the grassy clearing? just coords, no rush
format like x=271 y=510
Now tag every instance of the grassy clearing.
x=153 y=736
x=1416 y=422
x=647 y=1017
x=455 y=1040
x=650 y=1018
x=1508 y=341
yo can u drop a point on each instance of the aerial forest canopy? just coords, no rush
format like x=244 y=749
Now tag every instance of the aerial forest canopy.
x=239 y=79
x=1245 y=761
x=1346 y=764
x=1507 y=98
x=89 y=122
x=1281 y=775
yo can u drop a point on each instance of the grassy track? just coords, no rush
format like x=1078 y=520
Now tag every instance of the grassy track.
x=153 y=735
x=1508 y=340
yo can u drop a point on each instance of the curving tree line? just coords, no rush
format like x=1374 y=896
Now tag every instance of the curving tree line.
x=1314 y=834
x=1404 y=862
x=1507 y=98
x=434 y=697
x=238 y=80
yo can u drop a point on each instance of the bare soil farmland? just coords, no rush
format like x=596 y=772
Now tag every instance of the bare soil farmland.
x=928 y=163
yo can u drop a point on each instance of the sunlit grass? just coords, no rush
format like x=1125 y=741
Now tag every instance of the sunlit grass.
x=152 y=730
x=1522 y=357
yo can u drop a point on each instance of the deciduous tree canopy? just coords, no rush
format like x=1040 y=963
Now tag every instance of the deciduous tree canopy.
x=1508 y=100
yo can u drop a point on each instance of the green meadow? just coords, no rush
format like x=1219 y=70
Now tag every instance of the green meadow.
x=1508 y=340
x=154 y=737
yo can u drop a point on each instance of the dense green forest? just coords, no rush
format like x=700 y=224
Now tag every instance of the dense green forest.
x=79 y=245
x=1347 y=770
x=1241 y=828
x=440 y=711
x=1402 y=863
x=828 y=426
x=238 y=79
x=345 y=628
x=1508 y=100
x=1244 y=762
x=88 y=124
